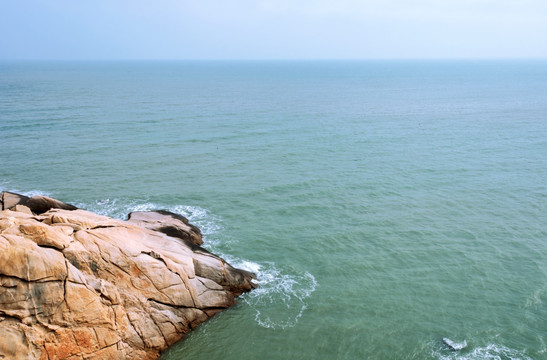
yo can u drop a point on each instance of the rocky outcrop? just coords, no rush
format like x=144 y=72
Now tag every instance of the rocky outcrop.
x=168 y=223
x=38 y=204
x=76 y=285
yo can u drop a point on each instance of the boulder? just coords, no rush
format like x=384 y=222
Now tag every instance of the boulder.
x=37 y=204
x=77 y=285
x=9 y=200
x=169 y=223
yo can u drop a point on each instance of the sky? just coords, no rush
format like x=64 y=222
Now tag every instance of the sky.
x=272 y=29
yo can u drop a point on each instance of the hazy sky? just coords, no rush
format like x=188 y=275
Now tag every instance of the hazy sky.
x=268 y=29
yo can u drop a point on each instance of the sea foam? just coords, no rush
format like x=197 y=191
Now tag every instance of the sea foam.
x=488 y=352
x=280 y=299
x=5 y=186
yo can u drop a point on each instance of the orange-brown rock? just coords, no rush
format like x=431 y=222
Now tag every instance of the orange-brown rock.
x=168 y=223
x=76 y=285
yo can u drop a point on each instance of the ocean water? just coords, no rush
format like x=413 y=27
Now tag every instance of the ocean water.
x=384 y=205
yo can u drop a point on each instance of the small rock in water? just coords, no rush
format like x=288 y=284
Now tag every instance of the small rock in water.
x=453 y=345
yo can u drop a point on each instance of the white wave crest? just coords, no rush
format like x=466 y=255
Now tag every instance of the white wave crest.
x=489 y=352
x=115 y=208
x=280 y=299
x=454 y=345
x=120 y=208
x=4 y=186
x=207 y=223
x=32 y=193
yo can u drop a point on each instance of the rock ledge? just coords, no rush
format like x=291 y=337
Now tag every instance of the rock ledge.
x=77 y=285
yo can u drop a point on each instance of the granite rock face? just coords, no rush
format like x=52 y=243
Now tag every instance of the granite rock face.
x=168 y=223
x=77 y=285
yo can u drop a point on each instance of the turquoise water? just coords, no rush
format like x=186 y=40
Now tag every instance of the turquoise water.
x=384 y=205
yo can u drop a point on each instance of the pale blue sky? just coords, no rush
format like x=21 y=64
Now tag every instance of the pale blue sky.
x=267 y=29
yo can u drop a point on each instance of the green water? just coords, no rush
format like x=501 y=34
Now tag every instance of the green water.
x=384 y=205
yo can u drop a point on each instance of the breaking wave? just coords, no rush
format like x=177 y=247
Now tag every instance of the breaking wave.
x=488 y=352
x=5 y=186
x=280 y=300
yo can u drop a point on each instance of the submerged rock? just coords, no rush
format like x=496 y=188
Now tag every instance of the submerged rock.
x=77 y=285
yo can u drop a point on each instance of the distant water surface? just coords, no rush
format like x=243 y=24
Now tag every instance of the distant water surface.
x=384 y=205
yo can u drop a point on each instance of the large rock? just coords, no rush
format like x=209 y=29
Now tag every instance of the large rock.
x=37 y=204
x=168 y=223
x=77 y=285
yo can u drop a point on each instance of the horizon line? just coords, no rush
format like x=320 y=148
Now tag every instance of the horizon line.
x=276 y=59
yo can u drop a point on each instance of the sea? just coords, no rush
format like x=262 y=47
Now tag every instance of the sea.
x=384 y=205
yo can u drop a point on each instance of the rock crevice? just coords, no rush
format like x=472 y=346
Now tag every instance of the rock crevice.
x=77 y=285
